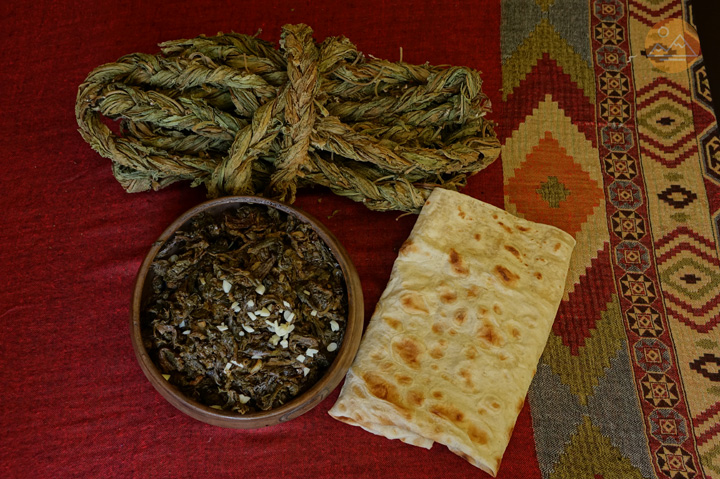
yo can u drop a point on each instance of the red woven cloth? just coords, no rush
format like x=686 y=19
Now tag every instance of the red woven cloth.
x=74 y=400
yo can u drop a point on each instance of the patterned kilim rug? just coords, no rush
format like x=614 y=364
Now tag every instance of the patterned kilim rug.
x=609 y=134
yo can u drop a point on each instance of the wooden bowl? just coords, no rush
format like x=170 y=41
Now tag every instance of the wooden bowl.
x=298 y=405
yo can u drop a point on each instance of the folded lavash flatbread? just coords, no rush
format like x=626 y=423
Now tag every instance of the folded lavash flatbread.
x=453 y=344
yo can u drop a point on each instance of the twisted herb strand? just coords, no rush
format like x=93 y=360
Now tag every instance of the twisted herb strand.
x=235 y=114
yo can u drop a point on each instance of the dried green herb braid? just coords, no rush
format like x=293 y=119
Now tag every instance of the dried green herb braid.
x=241 y=117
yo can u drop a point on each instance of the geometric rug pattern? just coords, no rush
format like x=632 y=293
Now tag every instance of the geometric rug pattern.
x=624 y=156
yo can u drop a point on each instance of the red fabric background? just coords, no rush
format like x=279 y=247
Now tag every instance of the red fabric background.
x=74 y=402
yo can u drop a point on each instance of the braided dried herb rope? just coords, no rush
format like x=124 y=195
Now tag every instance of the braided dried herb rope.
x=233 y=113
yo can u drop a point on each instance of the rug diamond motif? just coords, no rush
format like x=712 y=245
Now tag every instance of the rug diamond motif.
x=553 y=175
x=690 y=272
x=546 y=145
x=666 y=126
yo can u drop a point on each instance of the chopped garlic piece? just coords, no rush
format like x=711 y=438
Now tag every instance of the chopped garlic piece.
x=241 y=333
x=332 y=347
x=334 y=325
x=301 y=358
x=313 y=313
x=280 y=329
x=306 y=292
x=248 y=329
x=243 y=398
x=250 y=303
x=306 y=371
x=284 y=343
x=286 y=304
x=263 y=312
x=260 y=289
x=222 y=327
x=234 y=305
x=236 y=309
x=166 y=376
x=173 y=258
x=186 y=332
x=311 y=352
x=252 y=315
x=227 y=367
x=275 y=339
x=216 y=407
x=227 y=286
x=182 y=324
x=236 y=363
x=289 y=316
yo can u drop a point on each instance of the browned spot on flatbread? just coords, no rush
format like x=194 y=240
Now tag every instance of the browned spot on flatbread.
x=522 y=228
x=386 y=366
x=495 y=405
x=497 y=309
x=447 y=411
x=515 y=332
x=404 y=380
x=513 y=251
x=467 y=377
x=438 y=394
x=448 y=297
x=477 y=435
x=461 y=213
x=489 y=334
x=438 y=328
x=382 y=389
x=503 y=356
x=385 y=421
x=378 y=386
x=473 y=291
x=557 y=246
x=416 y=398
x=437 y=353
x=470 y=352
x=377 y=356
x=443 y=343
x=393 y=323
x=408 y=247
x=413 y=303
x=408 y=350
x=434 y=367
x=538 y=275
x=505 y=275
x=358 y=391
x=452 y=332
x=460 y=316
x=482 y=311
x=457 y=263
x=341 y=408
x=505 y=227
x=495 y=216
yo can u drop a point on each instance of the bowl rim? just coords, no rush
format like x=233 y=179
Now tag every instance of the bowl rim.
x=296 y=406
